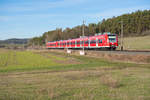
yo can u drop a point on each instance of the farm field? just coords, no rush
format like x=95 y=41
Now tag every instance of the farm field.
x=137 y=43
x=45 y=75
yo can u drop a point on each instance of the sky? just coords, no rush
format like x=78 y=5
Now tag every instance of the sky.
x=30 y=18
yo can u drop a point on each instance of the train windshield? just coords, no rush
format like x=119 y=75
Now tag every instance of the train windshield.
x=112 y=38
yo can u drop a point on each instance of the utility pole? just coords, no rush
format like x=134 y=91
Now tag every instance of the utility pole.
x=122 y=35
x=46 y=36
x=82 y=51
x=83 y=34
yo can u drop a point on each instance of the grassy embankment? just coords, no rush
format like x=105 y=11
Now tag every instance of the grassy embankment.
x=55 y=76
x=137 y=43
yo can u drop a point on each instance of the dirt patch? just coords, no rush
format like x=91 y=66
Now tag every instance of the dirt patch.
x=78 y=75
x=128 y=58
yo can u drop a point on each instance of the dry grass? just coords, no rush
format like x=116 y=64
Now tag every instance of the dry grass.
x=78 y=85
x=136 y=58
x=137 y=43
x=110 y=81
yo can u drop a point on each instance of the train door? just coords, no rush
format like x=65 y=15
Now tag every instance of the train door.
x=75 y=44
x=78 y=43
x=93 y=42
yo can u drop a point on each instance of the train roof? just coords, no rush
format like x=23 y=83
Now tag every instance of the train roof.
x=86 y=37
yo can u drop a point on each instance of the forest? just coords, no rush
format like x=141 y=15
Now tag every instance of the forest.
x=134 y=24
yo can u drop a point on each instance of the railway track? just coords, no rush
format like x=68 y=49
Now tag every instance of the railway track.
x=128 y=52
x=139 y=57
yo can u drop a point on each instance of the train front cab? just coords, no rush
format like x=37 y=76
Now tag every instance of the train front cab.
x=113 y=41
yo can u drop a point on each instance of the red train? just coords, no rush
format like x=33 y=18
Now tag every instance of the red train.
x=105 y=40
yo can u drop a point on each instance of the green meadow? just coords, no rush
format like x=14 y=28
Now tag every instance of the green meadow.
x=19 y=60
x=46 y=75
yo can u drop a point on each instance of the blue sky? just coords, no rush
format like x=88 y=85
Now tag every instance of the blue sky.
x=29 y=18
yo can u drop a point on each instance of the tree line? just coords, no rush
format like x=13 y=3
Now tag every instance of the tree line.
x=133 y=24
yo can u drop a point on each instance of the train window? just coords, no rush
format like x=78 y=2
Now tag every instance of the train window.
x=112 y=38
x=92 y=41
x=86 y=42
x=64 y=43
x=73 y=43
x=67 y=43
x=81 y=42
x=61 y=44
x=78 y=42
x=52 y=44
x=99 y=41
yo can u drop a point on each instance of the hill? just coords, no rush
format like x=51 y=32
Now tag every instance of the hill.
x=14 y=41
x=137 y=43
x=134 y=24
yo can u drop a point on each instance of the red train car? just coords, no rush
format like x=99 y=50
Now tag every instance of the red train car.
x=105 y=40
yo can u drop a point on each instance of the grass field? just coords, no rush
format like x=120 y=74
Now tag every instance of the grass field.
x=27 y=60
x=18 y=60
x=137 y=43
x=26 y=75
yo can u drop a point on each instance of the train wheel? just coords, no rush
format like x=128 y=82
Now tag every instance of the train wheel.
x=113 y=49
